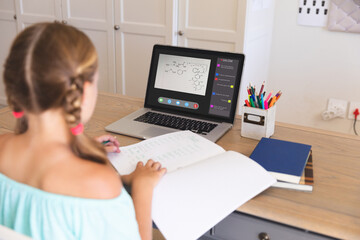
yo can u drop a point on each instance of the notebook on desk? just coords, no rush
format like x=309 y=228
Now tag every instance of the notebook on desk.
x=188 y=89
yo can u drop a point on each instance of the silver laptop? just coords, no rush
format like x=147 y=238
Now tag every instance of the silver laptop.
x=188 y=89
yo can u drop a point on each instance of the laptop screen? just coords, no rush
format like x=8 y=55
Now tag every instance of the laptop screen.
x=194 y=82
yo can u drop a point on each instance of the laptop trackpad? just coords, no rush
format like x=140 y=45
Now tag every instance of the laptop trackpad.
x=153 y=132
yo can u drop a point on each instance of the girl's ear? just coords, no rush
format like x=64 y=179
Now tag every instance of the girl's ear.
x=86 y=88
x=88 y=100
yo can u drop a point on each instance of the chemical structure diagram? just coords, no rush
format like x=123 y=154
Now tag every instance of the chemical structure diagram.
x=197 y=80
x=176 y=68
x=195 y=71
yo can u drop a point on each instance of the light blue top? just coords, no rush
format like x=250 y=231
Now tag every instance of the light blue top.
x=44 y=215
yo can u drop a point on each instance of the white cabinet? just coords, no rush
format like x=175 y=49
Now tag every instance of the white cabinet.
x=9 y=30
x=197 y=24
x=29 y=12
x=93 y=17
x=212 y=24
x=124 y=32
x=208 y=24
x=188 y=23
x=142 y=23
x=243 y=26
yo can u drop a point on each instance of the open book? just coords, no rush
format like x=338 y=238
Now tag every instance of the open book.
x=203 y=185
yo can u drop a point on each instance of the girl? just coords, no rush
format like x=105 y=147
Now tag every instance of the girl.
x=55 y=182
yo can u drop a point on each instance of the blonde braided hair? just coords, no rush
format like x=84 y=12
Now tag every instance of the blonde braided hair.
x=47 y=67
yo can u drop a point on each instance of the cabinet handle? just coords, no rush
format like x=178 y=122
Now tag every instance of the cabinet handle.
x=64 y=22
x=264 y=236
x=181 y=33
x=116 y=27
x=15 y=17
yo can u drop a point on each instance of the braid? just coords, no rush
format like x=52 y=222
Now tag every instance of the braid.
x=47 y=67
x=72 y=101
x=81 y=145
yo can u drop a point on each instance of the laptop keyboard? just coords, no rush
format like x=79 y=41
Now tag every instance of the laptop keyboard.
x=176 y=122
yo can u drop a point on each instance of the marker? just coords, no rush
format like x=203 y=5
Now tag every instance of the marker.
x=105 y=142
x=247 y=103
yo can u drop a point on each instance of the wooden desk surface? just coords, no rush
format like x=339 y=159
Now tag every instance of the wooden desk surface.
x=333 y=208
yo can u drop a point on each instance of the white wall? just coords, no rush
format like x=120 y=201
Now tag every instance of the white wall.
x=310 y=65
x=257 y=45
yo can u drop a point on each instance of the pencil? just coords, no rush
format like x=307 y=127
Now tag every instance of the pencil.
x=273 y=100
x=267 y=99
x=278 y=95
x=252 y=103
x=262 y=88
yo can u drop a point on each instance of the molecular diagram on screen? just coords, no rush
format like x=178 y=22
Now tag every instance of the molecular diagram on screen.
x=176 y=68
x=198 y=78
x=195 y=71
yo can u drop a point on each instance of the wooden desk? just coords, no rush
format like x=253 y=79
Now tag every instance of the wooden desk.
x=333 y=208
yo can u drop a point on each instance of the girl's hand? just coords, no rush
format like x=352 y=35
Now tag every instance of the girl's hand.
x=147 y=175
x=111 y=144
x=143 y=181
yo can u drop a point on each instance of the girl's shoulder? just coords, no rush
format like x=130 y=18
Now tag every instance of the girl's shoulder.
x=82 y=178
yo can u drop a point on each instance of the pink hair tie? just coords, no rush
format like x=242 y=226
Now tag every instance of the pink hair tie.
x=18 y=114
x=78 y=129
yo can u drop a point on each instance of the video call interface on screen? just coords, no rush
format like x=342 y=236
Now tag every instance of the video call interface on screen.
x=196 y=84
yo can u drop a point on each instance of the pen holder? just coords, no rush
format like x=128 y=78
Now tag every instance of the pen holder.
x=257 y=123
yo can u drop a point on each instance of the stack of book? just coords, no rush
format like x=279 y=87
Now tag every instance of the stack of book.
x=289 y=162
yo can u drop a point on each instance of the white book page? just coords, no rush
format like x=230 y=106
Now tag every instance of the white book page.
x=173 y=151
x=190 y=201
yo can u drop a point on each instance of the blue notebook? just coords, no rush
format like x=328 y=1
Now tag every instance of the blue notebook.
x=283 y=159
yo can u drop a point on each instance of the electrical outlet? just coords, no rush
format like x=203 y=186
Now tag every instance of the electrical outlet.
x=352 y=107
x=338 y=107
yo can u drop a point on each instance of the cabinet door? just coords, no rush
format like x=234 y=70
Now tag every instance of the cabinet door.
x=7 y=26
x=238 y=226
x=212 y=24
x=142 y=23
x=29 y=12
x=95 y=18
